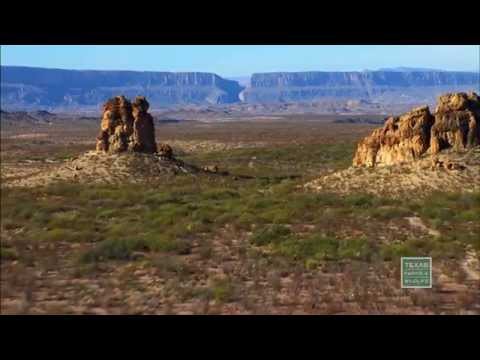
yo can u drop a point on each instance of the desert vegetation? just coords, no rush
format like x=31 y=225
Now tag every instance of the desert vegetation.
x=256 y=241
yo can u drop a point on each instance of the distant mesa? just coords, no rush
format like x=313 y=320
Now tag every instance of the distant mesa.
x=405 y=138
x=389 y=86
x=39 y=88
x=29 y=88
x=33 y=117
x=410 y=69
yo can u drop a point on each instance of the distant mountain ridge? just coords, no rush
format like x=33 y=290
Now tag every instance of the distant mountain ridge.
x=381 y=86
x=410 y=69
x=29 y=87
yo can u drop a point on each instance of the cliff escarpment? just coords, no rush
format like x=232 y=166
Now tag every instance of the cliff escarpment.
x=382 y=86
x=27 y=87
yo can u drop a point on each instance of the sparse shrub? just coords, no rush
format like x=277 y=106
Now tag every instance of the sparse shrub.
x=359 y=200
x=311 y=264
x=171 y=264
x=277 y=215
x=154 y=199
x=196 y=227
x=260 y=204
x=226 y=218
x=360 y=249
x=10 y=225
x=64 y=219
x=443 y=214
x=220 y=194
x=122 y=248
x=389 y=212
x=245 y=221
x=206 y=250
x=206 y=215
x=107 y=214
x=54 y=235
x=270 y=234
x=182 y=247
x=447 y=248
x=8 y=254
x=166 y=242
x=395 y=251
x=223 y=290
x=315 y=246
x=436 y=223
x=114 y=249
x=469 y=215
x=326 y=199
x=461 y=239
x=63 y=189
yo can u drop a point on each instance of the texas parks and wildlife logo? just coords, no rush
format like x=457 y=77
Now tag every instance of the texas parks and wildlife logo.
x=416 y=272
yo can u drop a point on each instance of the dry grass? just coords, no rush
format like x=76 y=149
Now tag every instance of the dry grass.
x=212 y=244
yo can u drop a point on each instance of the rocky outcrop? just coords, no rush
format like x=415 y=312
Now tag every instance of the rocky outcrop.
x=448 y=171
x=165 y=151
x=143 y=128
x=38 y=88
x=456 y=122
x=401 y=139
x=407 y=137
x=116 y=127
x=126 y=127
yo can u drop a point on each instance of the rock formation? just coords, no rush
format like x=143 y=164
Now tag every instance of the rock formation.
x=117 y=125
x=165 y=150
x=401 y=139
x=456 y=122
x=409 y=136
x=143 y=128
x=126 y=126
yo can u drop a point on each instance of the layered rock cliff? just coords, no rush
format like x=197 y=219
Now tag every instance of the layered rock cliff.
x=27 y=87
x=384 y=86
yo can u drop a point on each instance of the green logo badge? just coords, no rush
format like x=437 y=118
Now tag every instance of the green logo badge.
x=416 y=272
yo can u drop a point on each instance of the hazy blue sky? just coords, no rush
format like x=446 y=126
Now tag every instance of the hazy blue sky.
x=240 y=60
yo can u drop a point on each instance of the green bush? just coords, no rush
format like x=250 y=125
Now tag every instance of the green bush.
x=359 y=200
x=223 y=290
x=270 y=234
x=389 y=212
x=468 y=215
x=123 y=248
x=8 y=254
x=114 y=249
x=395 y=251
x=315 y=246
x=359 y=249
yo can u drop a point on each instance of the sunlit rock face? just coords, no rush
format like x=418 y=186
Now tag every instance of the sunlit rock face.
x=455 y=124
x=401 y=139
x=143 y=127
x=457 y=120
x=126 y=126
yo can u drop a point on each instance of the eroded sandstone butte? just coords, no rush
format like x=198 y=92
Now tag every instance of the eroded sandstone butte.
x=457 y=121
x=126 y=126
x=143 y=128
x=405 y=138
